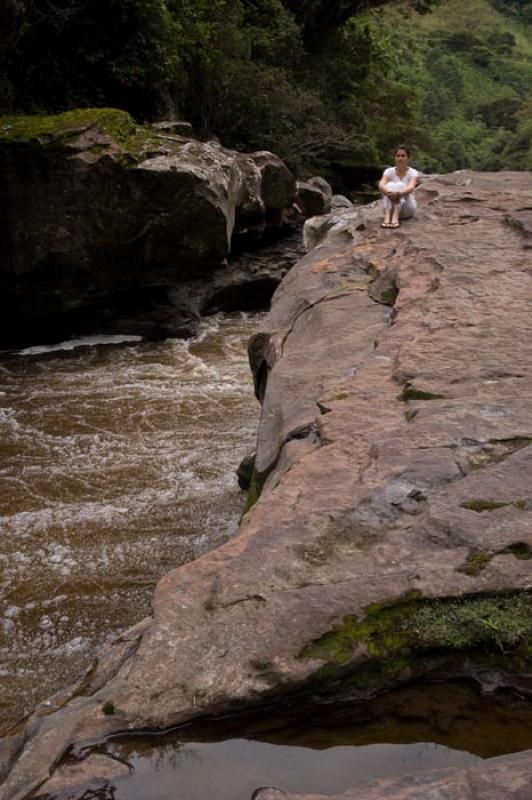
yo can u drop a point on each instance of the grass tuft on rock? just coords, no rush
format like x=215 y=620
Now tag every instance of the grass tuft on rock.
x=410 y=393
x=475 y=563
x=482 y=505
x=395 y=633
x=253 y=493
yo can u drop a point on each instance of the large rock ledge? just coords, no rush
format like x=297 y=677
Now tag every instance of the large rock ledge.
x=117 y=227
x=392 y=534
x=508 y=778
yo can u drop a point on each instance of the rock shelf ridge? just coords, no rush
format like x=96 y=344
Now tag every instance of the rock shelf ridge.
x=392 y=537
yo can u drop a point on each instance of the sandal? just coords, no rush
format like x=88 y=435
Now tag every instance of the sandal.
x=386 y=224
x=394 y=225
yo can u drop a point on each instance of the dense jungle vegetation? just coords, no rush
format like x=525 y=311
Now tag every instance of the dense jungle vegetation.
x=455 y=82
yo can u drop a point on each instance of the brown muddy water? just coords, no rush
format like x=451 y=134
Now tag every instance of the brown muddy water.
x=325 y=751
x=117 y=463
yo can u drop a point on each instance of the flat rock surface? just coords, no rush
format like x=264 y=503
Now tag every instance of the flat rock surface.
x=508 y=778
x=394 y=455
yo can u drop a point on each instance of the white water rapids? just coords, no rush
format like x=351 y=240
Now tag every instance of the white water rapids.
x=117 y=463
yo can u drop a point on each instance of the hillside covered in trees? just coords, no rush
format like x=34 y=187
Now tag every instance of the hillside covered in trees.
x=314 y=82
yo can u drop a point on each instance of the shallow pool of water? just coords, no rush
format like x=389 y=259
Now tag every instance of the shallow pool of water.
x=327 y=750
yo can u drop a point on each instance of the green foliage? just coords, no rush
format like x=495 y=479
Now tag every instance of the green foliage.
x=248 y=72
x=401 y=629
x=71 y=53
x=521 y=9
x=459 y=624
x=473 y=84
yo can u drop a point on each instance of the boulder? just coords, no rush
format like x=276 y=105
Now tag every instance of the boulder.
x=245 y=471
x=176 y=128
x=389 y=534
x=316 y=229
x=312 y=200
x=278 y=185
x=340 y=201
x=103 y=219
x=322 y=184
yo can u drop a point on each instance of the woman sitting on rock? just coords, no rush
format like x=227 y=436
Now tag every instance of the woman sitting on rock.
x=397 y=185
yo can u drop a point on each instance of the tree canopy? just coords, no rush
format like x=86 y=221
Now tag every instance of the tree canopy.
x=314 y=80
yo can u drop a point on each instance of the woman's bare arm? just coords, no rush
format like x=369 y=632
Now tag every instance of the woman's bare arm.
x=382 y=184
x=412 y=183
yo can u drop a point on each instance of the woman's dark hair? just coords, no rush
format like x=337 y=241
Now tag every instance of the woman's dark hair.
x=402 y=147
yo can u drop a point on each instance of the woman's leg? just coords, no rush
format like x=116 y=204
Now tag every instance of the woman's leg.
x=391 y=207
x=408 y=209
x=387 y=204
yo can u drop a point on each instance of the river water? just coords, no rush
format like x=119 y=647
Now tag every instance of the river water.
x=117 y=463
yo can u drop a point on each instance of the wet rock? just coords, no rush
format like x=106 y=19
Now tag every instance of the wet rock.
x=505 y=778
x=176 y=128
x=384 y=288
x=278 y=187
x=88 y=776
x=390 y=457
x=98 y=211
x=340 y=201
x=320 y=183
x=312 y=199
x=245 y=471
x=316 y=228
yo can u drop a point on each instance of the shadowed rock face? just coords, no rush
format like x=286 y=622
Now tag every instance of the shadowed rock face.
x=392 y=537
x=104 y=221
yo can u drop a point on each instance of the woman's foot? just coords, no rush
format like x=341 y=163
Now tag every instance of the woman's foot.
x=394 y=224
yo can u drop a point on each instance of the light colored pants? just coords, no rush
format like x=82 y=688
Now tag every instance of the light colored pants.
x=407 y=205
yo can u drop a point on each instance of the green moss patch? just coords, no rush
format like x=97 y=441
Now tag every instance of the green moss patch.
x=379 y=630
x=389 y=296
x=475 y=563
x=116 y=123
x=253 y=492
x=409 y=393
x=478 y=560
x=395 y=636
x=136 y=140
x=482 y=505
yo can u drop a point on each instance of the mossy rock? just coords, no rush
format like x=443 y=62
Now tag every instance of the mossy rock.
x=39 y=130
x=475 y=563
x=398 y=637
x=113 y=121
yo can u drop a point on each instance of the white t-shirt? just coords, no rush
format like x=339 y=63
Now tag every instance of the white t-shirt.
x=392 y=175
